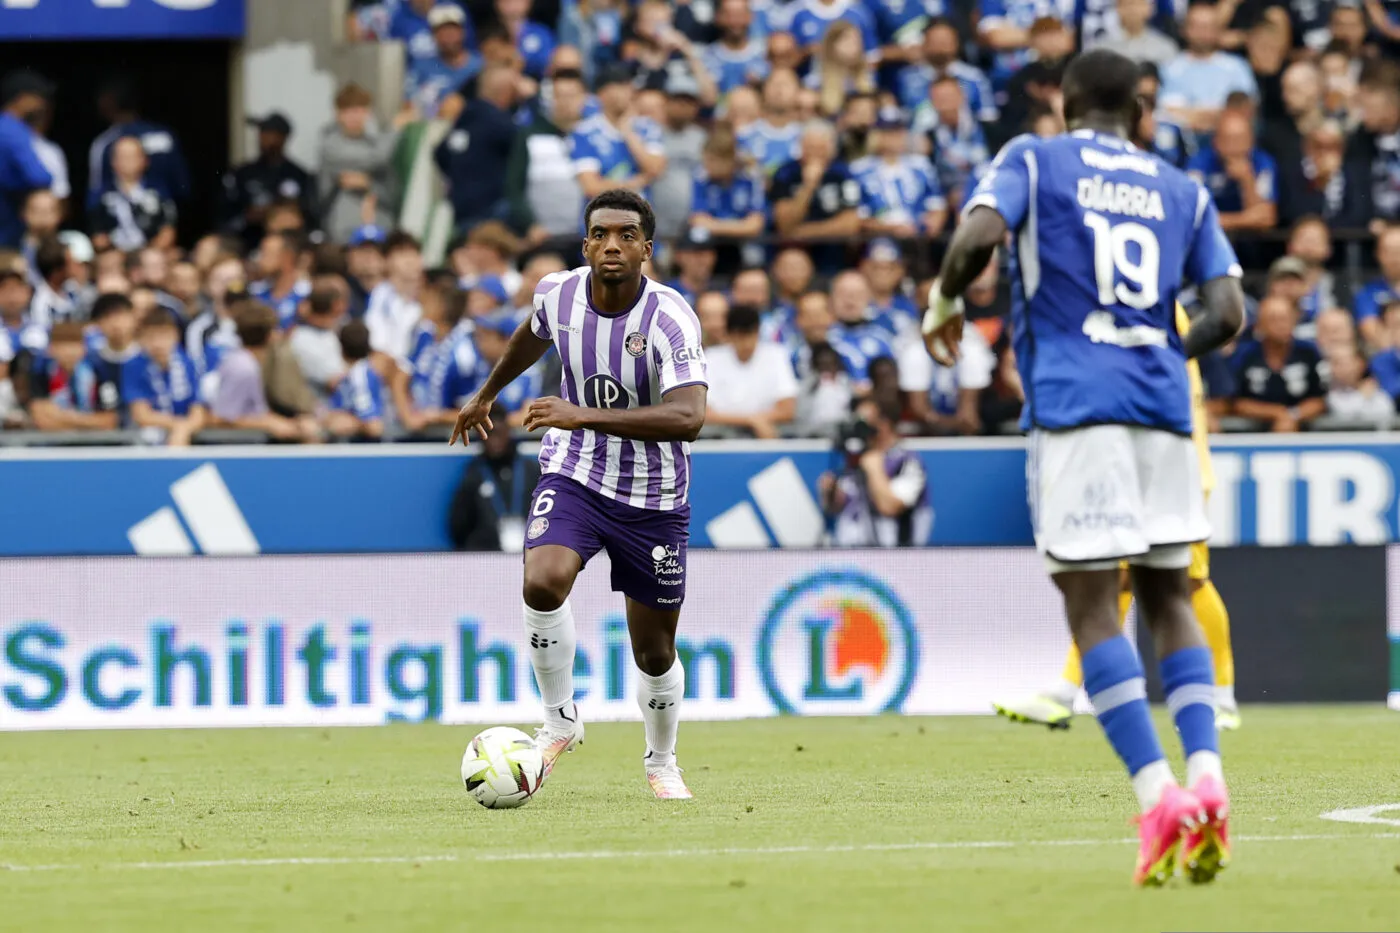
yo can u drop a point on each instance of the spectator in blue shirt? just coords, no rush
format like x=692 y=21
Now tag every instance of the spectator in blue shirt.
x=168 y=172
x=58 y=387
x=901 y=196
x=899 y=29
x=694 y=258
x=816 y=199
x=160 y=386
x=615 y=149
x=1196 y=83
x=1385 y=365
x=412 y=26
x=773 y=139
x=1004 y=27
x=493 y=333
x=475 y=153
x=812 y=19
x=1240 y=176
x=956 y=144
x=357 y=404
x=736 y=58
x=1280 y=379
x=283 y=287
x=431 y=79
x=726 y=202
x=884 y=270
x=1372 y=297
x=534 y=41
x=456 y=372
x=940 y=58
x=23 y=97
x=857 y=322
x=115 y=317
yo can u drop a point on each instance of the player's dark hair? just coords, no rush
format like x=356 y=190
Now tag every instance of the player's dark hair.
x=401 y=239
x=354 y=341
x=157 y=317
x=1101 y=81
x=621 y=199
x=255 y=323
x=51 y=256
x=110 y=303
x=742 y=319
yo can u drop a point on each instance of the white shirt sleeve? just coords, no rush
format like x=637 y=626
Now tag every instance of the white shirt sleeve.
x=915 y=368
x=908 y=484
x=978 y=363
x=783 y=383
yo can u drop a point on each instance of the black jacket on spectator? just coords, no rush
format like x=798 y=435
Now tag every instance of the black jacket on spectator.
x=1343 y=202
x=474 y=157
x=1300 y=378
x=1382 y=155
x=260 y=184
x=132 y=219
x=489 y=491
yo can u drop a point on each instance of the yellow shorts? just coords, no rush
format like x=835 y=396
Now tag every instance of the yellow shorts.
x=1199 y=570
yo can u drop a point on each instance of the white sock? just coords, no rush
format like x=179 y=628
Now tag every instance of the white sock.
x=1225 y=697
x=1203 y=764
x=659 y=699
x=552 y=641
x=1063 y=692
x=1151 y=781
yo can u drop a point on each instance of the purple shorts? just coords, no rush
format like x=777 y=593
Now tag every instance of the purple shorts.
x=646 y=546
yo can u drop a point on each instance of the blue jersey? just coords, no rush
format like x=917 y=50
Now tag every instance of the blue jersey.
x=812 y=18
x=596 y=146
x=360 y=393
x=902 y=22
x=1207 y=168
x=1173 y=143
x=915 y=80
x=1103 y=237
x=457 y=370
x=536 y=45
x=417 y=36
x=901 y=310
x=960 y=153
x=902 y=192
x=770 y=147
x=735 y=199
x=422 y=363
x=525 y=389
x=858 y=347
x=169 y=390
x=430 y=80
x=1372 y=298
x=285 y=305
x=733 y=68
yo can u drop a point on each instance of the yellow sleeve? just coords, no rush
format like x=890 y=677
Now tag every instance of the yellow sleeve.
x=1200 y=433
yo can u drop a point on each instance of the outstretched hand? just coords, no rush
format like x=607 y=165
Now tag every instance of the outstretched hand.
x=474 y=416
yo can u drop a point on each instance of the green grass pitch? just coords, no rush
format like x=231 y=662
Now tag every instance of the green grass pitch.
x=881 y=824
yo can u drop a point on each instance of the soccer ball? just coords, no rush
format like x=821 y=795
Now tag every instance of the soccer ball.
x=502 y=768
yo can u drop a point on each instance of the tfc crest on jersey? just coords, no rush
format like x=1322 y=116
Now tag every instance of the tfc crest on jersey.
x=619 y=361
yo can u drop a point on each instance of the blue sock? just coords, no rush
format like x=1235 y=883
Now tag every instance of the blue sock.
x=1113 y=679
x=1189 y=680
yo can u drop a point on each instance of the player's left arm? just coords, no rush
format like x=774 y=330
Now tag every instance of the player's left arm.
x=679 y=417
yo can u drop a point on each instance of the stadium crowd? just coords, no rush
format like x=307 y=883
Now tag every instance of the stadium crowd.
x=806 y=160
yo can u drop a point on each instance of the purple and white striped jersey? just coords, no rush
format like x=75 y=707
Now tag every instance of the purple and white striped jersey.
x=619 y=361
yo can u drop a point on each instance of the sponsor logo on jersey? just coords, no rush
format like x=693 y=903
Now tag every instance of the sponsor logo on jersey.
x=603 y=391
x=838 y=642
x=667 y=566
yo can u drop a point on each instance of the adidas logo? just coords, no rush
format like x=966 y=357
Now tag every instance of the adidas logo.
x=789 y=510
x=209 y=513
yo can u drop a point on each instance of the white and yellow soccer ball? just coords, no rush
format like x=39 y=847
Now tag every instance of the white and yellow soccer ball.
x=502 y=768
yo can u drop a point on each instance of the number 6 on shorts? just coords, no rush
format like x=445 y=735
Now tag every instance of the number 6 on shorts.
x=544 y=503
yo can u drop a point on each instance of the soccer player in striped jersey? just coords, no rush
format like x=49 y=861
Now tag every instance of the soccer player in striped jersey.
x=615 y=467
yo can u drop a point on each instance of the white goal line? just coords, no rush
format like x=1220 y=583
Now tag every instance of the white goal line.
x=644 y=853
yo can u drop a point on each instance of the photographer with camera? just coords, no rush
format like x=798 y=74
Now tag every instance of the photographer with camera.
x=880 y=496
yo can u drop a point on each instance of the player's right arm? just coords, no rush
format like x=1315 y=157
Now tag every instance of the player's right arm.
x=998 y=204
x=1211 y=262
x=529 y=342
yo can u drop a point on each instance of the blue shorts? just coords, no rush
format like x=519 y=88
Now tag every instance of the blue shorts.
x=647 y=547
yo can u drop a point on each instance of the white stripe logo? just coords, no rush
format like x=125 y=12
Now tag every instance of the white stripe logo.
x=209 y=511
x=788 y=507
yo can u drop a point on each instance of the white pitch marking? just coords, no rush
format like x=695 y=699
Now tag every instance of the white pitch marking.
x=1365 y=815
x=654 y=853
